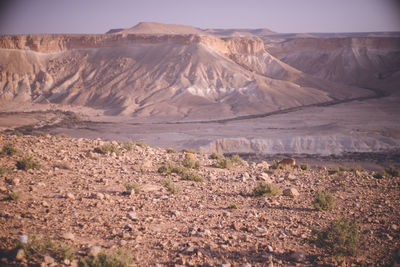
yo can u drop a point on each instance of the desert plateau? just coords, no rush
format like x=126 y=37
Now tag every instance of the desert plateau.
x=170 y=145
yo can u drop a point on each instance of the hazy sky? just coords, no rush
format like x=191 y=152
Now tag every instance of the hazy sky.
x=98 y=16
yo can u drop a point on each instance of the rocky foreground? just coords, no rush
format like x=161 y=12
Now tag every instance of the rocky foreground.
x=89 y=196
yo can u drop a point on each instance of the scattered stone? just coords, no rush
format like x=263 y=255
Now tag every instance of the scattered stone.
x=297 y=256
x=235 y=226
x=133 y=216
x=20 y=255
x=226 y=264
x=291 y=192
x=48 y=260
x=70 y=196
x=23 y=239
x=99 y=196
x=15 y=181
x=3 y=189
x=394 y=227
x=123 y=242
x=45 y=204
x=68 y=236
x=94 y=251
x=245 y=265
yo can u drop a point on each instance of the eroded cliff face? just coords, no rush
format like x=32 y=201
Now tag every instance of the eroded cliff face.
x=189 y=76
x=47 y=43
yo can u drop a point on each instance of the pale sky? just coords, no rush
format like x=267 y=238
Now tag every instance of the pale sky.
x=285 y=16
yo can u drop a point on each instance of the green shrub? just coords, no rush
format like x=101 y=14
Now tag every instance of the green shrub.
x=128 y=146
x=40 y=135
x=223 y=163
x=276 y=166
x=343 y=169
x=380 y=175
x=171 y=187
x=305 y=167
x=119 y=259
x=132 y=186
x=237 y=159
x=265 y=189
x=18 y=133
x=323 y=201
x=28 y=163
x=171 y=151
x=333 y=171
x=392 y=171
x=192 y=176
x=232 y=206
x=14 y=196
x=171 y=168
x=340 y=238
x=108 y=149
x=8 y=150
x=358 y=168
x=142 y=144
x=37 y=248
x=216 y=155
x=5 y=171
x=190 y=162
x=190 y=151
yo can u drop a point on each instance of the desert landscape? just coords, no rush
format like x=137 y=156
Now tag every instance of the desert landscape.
x=170 y=145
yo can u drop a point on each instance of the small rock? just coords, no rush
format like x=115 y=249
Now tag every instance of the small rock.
x=3 y=189
x=245 y=265
x=123 y=242
x=94 y=251
x=23 y=239
x=70 y=196
x=20 y=254
x=226 y=264
x=394 y=227
x=45 y=204
x=48 y=259
x=270 y=248
x=132 y=216
x=67 y=262
x=291 y=192
x=15 y=181
x=235 y=226
x=297 y=256
x=99 y=196
x=68 y=236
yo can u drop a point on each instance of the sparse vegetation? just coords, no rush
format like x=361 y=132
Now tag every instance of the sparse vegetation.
x=190 y=162
x=142 y=144
x=108 y=149
x=14 y=196
x=118 y=259
x=192 y=176
x=380 y=175
x=323 y=201
x=28 y=163
x=232 y=206
x=237 y=159
x=40 y=135
x=171 y=187
x=5 y=171
x=305 y=167
x=265 y=189
x=8 y=150
x=133 y=186
x=333 y=171
x=392 y=171
x=340 y=238
x=190 y=151
x=37 y=248
x=171 y=151
x=343 y=169
x=128 y=146
x=223 y=163
x=171 y=168
x=18 y=133
x=217 y=156
x=276 y=166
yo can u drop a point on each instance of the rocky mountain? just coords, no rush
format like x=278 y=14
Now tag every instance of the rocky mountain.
x=167 y=72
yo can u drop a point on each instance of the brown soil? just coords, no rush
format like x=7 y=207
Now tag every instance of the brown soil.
x=194 y=227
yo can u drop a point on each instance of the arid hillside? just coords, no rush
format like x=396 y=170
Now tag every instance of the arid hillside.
x=67 y=200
